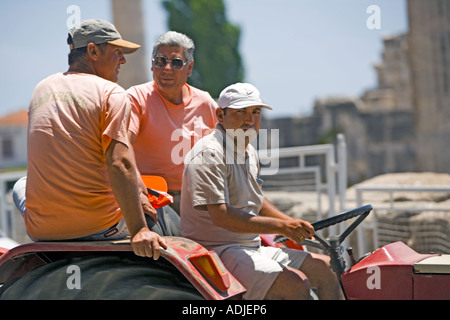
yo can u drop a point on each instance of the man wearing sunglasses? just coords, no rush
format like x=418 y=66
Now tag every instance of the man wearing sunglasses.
x=168 y=115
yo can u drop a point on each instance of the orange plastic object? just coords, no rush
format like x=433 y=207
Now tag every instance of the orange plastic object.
x=157 y=191
x=159 y=199
x=155 y=182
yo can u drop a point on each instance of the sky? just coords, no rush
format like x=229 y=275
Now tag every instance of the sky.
x=294 y=51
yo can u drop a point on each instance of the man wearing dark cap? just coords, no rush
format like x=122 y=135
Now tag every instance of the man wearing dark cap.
x=223 y=208
x=81 y=182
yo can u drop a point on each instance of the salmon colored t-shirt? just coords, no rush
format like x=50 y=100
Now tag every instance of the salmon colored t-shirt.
x=72 y=119
x=166 y=132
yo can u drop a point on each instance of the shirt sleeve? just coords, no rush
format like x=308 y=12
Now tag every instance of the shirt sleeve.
x=115 y=118
x=136 y=113
x=207 y=182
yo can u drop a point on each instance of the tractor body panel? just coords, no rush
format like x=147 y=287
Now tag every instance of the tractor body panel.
x=18 y=261
x=432 y=278
x=389 y=274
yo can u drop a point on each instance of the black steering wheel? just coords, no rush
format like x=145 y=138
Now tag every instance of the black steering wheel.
x=332 y=245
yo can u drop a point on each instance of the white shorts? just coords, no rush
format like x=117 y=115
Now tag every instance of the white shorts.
x=256 y=268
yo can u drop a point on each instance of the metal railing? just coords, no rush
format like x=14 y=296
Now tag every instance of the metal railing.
x=335 y=171
x=393 y=205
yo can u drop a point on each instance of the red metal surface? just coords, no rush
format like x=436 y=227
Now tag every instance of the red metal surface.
x=432 y=287
x=267 y=240
x=387 y=274
x=3 y=251
x=177 y=253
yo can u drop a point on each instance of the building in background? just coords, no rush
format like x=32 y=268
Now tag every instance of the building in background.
x=429 y=48
x=403 y=124
x=128 y=19
x=13 y=140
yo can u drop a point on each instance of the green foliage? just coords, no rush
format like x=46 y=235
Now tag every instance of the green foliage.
x=217 y=59
x=329 y=136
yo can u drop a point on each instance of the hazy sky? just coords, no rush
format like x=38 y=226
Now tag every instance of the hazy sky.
x=293 y=50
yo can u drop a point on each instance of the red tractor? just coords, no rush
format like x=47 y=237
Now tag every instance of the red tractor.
x=393 y=272
x=110 y=270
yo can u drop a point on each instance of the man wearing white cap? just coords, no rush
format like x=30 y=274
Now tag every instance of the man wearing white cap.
x=223 y=208
x=81 y=181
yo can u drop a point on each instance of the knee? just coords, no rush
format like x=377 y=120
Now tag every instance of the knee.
x=20 y=186
x=301 y=289
x=18 y=194
x=323 y=278
x=290 y=284
x=324 y=264
x=322 y=269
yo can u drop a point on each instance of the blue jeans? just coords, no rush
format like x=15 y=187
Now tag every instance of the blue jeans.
x=168 y=220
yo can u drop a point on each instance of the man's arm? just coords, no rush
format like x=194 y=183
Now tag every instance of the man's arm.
x=146 y=205
x=269 y=210
x=124 y=183
x=233 y=219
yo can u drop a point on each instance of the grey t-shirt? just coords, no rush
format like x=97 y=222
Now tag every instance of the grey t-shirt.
x=212 y=177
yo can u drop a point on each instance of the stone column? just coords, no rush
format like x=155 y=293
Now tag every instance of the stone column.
x=429 y=45
x=129 y=21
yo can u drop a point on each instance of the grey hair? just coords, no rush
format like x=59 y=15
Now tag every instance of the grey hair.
x=176 y=39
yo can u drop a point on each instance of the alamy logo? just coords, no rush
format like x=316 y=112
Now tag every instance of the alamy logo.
x=74 y=280
x=374 y=281
x=374 y=20
x=75 y=16
x=267 y=143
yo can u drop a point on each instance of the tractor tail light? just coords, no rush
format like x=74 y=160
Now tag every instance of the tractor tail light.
x=212 y=268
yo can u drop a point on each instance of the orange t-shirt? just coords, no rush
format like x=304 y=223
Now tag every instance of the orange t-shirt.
x=166 y=132
x=72 y=119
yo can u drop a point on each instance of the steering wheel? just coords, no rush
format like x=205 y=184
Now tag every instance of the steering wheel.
x=332 y=245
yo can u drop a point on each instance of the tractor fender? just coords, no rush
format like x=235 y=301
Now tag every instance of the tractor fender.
x=17 y=261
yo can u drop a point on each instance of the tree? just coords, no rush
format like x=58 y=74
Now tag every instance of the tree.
x=217 y=59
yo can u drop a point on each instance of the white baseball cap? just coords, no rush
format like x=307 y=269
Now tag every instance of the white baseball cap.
x=239 y=96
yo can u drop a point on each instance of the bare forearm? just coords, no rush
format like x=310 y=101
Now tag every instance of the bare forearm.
x=148 y=208
x=123 y=179
x=233 y=219
x=124 y=183
x=269 y=210
x=131 y=139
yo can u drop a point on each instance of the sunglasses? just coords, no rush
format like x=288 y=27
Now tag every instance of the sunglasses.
x=176 y=63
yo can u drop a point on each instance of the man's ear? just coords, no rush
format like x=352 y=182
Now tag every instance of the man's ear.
x=93 y=52
x=191 y=67
x=219 y=114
